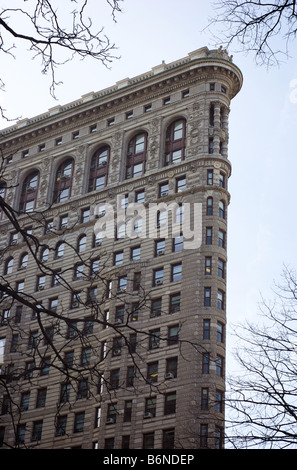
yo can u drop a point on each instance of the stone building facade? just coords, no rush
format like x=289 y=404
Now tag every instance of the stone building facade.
x=158 y=141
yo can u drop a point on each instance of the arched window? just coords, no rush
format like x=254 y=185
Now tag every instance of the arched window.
x=99 y=169
x=136 y=155
x=29 y=192
x=44 y=254
x=60 y=250
x=82 y=242
x=175 y=146
x=2 y=194
x=23 y=261
x=8 y=266
x=63 y=182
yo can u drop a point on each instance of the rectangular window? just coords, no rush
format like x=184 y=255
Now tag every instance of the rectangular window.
x=111 y=413
x=206 y=329
x=114 y=379
x=130 y=376
x=85 y=215
x=156 y=307
x=53 y=304
x=219 y=401
x=208 y=265
x=205 y=363
x=95 y=266
x=133 y=315
x=132 y=342
x=140 y=196
x=221 y=300
x=135 y=253
x=222 y=180
x=13 y=345
x=169 y=403
x=177 y=243
x=210 y=147
x=118 y=258
x=136 y=281
x=72 y=329
x=221 y=238
x=117 y=346
x=203 y=435
x=210 y=177
x=122 y=283
x=219 y=365
x=20 y=434
x=174 y=303
x=207 y=296
x=171 y=368
x=158 y=277
x=176 y=272
x=220 y=332
x=79 y=421
x=120 y=314
x=25 y=398
x=221 y=269
x=150 y=407
x=20 y=286
x=148 y=440
x=86 y=356
x=204 y=398
x=126 y=442
x=154 y=338
x=127 y=411
x=152 y=372
x=159 y=247
x=68 y=359
x=208 y=236
x=41 y=397
x=37 y=431
x=163 y=189
x=168 y=439
x=173 y=335
x=61 y=426
x=181 y=184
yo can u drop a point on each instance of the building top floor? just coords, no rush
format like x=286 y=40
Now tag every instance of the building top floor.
x=199 y=61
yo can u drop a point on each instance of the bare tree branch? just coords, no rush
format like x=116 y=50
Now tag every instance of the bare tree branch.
x=52 y=39
x=267 y=29
x=262 y=399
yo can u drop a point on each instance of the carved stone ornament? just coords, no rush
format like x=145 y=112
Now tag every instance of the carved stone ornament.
x=81 y=151
x=151 y=180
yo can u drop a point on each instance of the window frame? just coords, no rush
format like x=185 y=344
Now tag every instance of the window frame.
x=173 y=144
x=29 y=192
x=135 y=157
x=99 y=168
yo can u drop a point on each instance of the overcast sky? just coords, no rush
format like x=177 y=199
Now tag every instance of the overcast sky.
x=263 y=129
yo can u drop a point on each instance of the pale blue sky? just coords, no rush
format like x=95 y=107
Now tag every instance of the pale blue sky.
x=263 y=130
